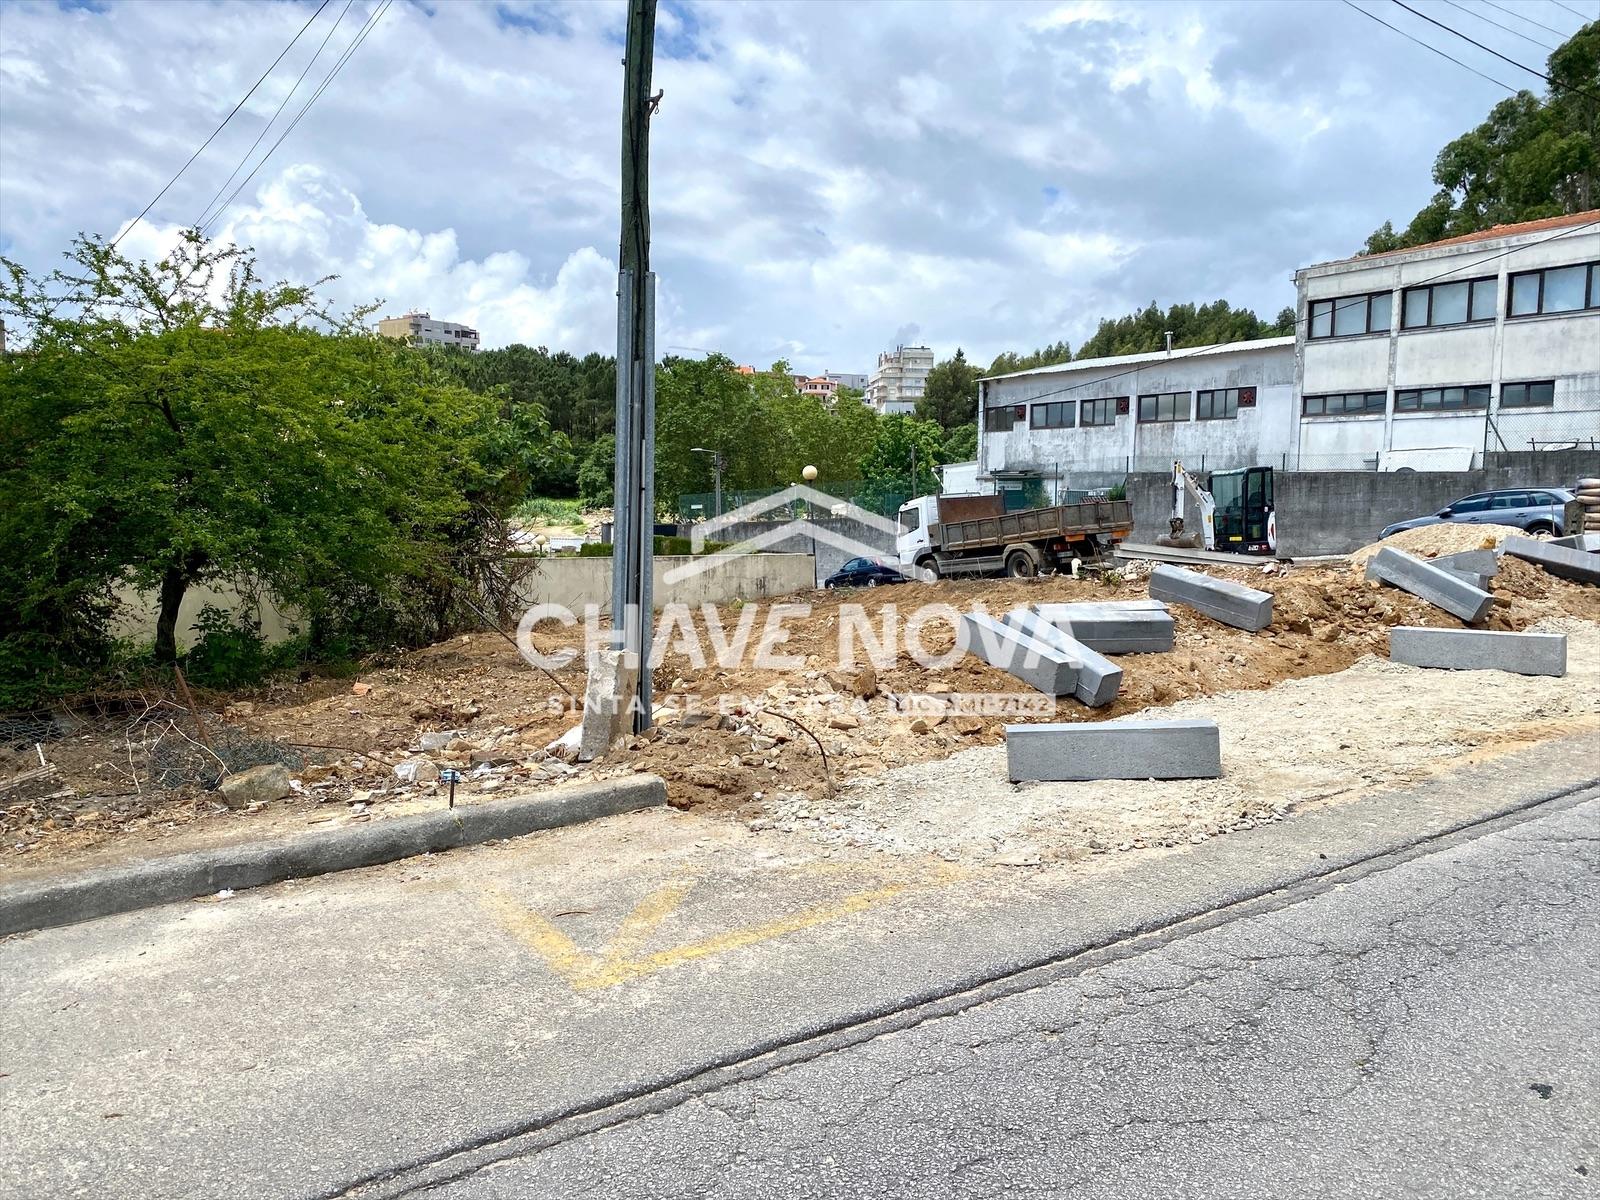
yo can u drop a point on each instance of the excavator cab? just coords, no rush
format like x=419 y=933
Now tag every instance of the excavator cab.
x=1245 y=519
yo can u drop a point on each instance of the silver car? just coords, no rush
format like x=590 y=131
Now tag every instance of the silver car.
x=1533 y=510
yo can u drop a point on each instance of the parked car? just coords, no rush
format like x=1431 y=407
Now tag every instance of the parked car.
x=864 y=572
x=1534 y=510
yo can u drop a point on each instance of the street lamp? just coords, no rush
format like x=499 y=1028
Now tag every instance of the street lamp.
x=809 y=474
x=717 y=465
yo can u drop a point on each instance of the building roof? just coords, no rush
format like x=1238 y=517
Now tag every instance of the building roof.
x=1130 y=360
x=1483 y=235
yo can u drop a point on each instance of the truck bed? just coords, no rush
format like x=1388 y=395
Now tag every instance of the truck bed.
x=1067 y=521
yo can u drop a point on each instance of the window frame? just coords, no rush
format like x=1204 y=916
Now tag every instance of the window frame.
x=1366 y=329
x=1070 y=407
x=1018 y=416
x=1591 y=290
x=1527 y=387
x=1210 y=394
x=1366 y=409
x=1472 y=286
x=1158 y=419
x=1417 y=406
x=1095 y=405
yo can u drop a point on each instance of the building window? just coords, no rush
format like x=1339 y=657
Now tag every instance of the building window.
x=1555 y=290
x=1528 y=395
x=1058 y=414
x=1221 y=404
x=1347 y=316
x=999 y=420
x=1340 y=403
x=1449 y=303
x=1441 y=399
x=1099 y=412
x=1165 y=406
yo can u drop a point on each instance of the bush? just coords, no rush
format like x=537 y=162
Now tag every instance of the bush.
x=549 y=510
x=663 y=545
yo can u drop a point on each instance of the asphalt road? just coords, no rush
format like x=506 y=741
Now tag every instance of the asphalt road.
x=1432 y=1029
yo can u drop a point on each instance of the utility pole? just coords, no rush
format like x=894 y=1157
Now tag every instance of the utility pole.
x=634 y=537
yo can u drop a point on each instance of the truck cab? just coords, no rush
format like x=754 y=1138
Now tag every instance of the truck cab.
x=915 y=539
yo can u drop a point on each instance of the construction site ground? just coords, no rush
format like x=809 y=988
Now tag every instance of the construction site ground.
x=1310 y=711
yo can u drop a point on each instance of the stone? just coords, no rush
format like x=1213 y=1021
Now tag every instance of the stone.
x=1099 y=679
x=1563 y=561
x=1477 y=562
x=1479 y=650
x=437 y=741
x=607 y=702
x=1118 y=628
x=844 y=721
x=1036 y=663
x=258 y=785
x=417 y=770
x=1220 y=599
x=1434 y=584
x=1587 y=542
x=1181 y=749
x=360 y=689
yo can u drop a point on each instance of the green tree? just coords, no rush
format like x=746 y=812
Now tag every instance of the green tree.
x=1530 y=158
x=1145 y=331
x=902 y=461
x=950 y=397
x=181 y=423
x=1047 y=356
x=960 y=444
x=597 y=474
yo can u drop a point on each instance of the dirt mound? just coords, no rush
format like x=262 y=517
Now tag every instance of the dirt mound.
x=1447 y=537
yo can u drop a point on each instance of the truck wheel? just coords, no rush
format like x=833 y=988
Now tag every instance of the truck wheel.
x=929 y=566
x=1020 y=565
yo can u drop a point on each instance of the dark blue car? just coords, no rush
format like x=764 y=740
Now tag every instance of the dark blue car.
x=864 y=572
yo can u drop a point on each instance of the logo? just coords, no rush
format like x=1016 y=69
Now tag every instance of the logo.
x=814 y=531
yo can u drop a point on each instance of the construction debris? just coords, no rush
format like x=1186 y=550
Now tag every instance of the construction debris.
x=1479 y=650
x=1190 y=749
x=1436 y=585
x=1220 y=599
x=1562 y=561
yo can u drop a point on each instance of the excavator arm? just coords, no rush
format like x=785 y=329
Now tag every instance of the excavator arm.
x=1186 y=486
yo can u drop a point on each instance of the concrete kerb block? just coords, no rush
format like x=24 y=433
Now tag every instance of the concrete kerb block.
x=1188 y=749
x=1434 y=584
x=1589 y=543
x=1220 y=599
x=1481 y=582
x=1038 y=664
x=1563 y=561
x=1479 y=650
x=1137 y=627
x=1474 y=562
x=1099 y=679
x=43 y=904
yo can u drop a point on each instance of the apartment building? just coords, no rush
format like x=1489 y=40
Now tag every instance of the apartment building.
x=900 y=379
x=420 y=329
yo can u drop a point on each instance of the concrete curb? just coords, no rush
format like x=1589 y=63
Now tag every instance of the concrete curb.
x=102 y=893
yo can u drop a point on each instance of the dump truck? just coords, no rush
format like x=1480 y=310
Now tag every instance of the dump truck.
x=975 y=535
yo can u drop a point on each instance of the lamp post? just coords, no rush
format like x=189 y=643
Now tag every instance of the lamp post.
x=717 y=465
x=809 y=474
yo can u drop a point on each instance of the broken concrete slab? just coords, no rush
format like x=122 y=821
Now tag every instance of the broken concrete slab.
x=1038 y=664
x=1563 y=561
x=1114 y=628
x=607 y=699
x=1184 y=749
x=1475 y=562
x=1099 y=679
x=1220 y=599
x=1479 y=650
x=1587 y=542
x=1434 y=584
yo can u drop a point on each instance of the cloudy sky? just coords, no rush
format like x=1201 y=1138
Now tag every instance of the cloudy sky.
x=828 y=178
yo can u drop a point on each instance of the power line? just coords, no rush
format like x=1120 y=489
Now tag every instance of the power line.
x=1498 y=25
x=282 y=104
x=1573 y=11
x=1338 y=307
x=1430 y=46
x=1511 y=12
x=1496 y=53
x=220 y=127
x=355 y=44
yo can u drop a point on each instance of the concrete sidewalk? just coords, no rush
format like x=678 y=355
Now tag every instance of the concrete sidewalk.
x=314 y=1036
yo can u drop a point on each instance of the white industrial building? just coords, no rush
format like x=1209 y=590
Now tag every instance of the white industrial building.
x=1483 y=343
x=1084 y=425
x=1428 y=358
x=420 y=329
x=900 y=379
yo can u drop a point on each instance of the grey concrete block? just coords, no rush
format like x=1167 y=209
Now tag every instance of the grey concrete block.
x=1564 y=561
x=1099 y=679
x=1587 y=542
x=1434 y=584
x=1114 y=628
x=1481 y=582
x=1220 y=599
x=1479 y=650
x=1476 y=562
x=102 y=892
x=1189 y=749
x=1038 y=664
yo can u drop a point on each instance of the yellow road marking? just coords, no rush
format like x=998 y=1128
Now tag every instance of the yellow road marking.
x=618 y=961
